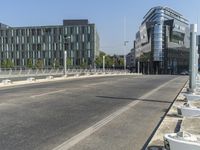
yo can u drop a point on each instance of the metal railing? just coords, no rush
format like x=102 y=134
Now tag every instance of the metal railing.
x=47 y=72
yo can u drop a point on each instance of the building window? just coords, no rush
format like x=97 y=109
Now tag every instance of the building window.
x=23 y=39
x=17 y=54
x=88 y=45
x=88 y=53
x=88 y=29
x=39 y=39
x=33 y=32
x=33 y=39
x=17 y=47
x=17 y=40
x=77 y=30
x=83 y=30
x=77 y=46
x=83 y=38
x=12 y=33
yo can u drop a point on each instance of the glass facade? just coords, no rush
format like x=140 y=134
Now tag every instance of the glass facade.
x=166 y=48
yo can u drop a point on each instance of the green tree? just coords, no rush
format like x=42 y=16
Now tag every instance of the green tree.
x=99 y=60
x=108 y=61
x=29 y=63
x=3 y=64
x=7 y=64
x=69 y=62
x=39 y=64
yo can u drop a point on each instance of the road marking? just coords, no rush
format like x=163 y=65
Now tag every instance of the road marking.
x=87 y=132
x=48 y=93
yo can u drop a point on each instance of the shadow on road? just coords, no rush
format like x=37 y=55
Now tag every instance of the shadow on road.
x=133 y=99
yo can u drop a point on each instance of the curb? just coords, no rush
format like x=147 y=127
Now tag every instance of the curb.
x=170 y=122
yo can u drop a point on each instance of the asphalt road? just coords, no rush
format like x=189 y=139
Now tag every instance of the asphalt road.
x=43 y=116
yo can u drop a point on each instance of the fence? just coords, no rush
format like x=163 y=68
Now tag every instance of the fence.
x=47 y=72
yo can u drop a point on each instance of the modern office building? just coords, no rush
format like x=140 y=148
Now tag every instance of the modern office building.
x=162 y=42
x=198 y=44
x=130 y=59
x=45 y=45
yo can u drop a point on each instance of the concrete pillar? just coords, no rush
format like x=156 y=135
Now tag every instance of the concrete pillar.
x=193 y=49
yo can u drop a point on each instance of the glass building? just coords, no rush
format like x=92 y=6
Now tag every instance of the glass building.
x=162 y=42
x=27 y=46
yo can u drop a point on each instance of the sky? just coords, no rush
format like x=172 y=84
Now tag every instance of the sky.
x=108 y=15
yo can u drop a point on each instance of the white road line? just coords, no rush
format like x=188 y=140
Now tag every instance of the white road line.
x=87 y=132
x=48 y=93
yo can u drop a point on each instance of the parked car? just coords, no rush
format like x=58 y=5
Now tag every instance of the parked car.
x=184 y=73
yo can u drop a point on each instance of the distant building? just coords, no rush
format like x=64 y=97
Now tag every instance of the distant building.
x=28 y=45
x=198 y=44
x=162 y=42
x=130 y=59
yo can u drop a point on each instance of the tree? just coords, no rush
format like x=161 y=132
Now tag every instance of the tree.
x=108 y=61
x=39 y=64
x=7 y=64
x=29 y=63
x=99 y=60
x=69 y=62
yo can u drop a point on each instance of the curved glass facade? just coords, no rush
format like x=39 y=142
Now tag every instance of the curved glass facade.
x=158 y=42
x=167 y=42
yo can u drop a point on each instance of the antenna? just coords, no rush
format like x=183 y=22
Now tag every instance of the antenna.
x=125 y=42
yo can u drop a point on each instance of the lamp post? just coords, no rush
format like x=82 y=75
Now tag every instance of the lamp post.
x=125 y=43
x=65 y=54
x=65 y=62
x=103 y=64
x=148 y=66
x=193 y=65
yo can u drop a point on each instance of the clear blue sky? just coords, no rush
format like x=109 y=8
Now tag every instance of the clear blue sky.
x=108 y=15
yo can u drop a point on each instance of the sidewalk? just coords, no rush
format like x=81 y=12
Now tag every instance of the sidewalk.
x=172 y=123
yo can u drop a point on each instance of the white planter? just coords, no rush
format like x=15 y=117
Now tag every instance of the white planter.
x=192 y=97
x=6 y=81
x=181 y=141
x=190 y=111
x=31 y=79
x=49 y=77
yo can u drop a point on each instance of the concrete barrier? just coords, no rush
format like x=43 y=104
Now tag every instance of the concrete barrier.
x=181 y=141
x=192 y=97
x=6 y=81
x=31 y=79
x=49 y=77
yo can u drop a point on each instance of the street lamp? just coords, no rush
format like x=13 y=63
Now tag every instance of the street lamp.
x=125 y=43
x=104 y=64
x=65 y=54
x=148 y=66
